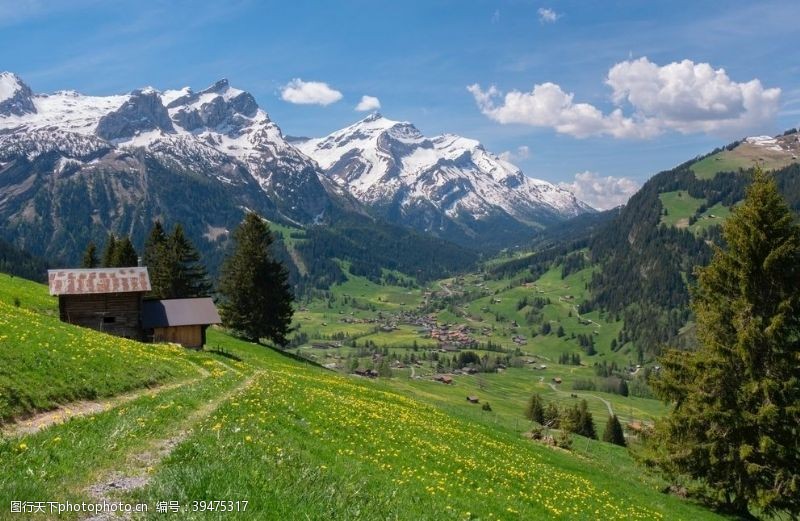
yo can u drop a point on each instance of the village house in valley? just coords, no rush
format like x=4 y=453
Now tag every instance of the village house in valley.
x=112 y=300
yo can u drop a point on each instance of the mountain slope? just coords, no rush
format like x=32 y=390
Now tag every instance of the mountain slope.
x=446 y=185
x=644 y=258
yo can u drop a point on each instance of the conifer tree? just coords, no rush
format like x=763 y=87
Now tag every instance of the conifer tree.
x=109 y=251
x=734 y=424
x=124 y=254
x=552 y=416
x=155 y=257
x=613 y=432
x=189 y=277
x=174 y=264
x=535 y=409
x=585 y=421
x=257 y=300
x=90 y=256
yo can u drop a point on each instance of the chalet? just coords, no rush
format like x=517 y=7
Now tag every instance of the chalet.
x=445 y=379
x=473 y=399
x=182 y=320
x=105 y=299
x=112 y=300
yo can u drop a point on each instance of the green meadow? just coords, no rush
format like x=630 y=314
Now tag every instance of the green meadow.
x=241 y=422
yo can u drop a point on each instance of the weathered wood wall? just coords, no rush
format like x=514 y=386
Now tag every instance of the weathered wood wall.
x=113 y=313
x=187 y=336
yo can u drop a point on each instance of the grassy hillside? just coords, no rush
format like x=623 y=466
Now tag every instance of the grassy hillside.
x=742 y=157
x=296 y=441
x=44 y=362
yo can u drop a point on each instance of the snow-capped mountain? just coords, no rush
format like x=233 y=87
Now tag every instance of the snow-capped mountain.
x=74 y=166
x=80 y=165
x=436 y=184
x=220 y=131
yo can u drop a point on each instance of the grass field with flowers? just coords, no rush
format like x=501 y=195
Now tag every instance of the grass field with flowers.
x=44 y=362
x=291 y=439
x=303 y=443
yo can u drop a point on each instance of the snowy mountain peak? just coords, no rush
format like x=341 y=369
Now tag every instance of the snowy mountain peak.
x=219 y=132
x=142 y=112
x=9 y=85
x=392 y=165
x=15 y=96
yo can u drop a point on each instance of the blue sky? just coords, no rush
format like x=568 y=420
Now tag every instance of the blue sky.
x=419 y=58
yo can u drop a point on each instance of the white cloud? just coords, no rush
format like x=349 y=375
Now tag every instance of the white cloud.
x=309 y=93
x=599 y=192
x=522 y=152
x=368 y=103
x=549 y=106
x=547 y=15
x=681 y=96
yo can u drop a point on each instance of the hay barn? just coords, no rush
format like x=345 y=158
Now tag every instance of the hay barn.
x=182 y=321
x=105 y=299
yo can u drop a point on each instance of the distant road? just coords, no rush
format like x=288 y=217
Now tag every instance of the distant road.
x=606 y=402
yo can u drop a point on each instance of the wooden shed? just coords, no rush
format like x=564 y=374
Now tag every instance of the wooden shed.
x=105 y=299
x=182 y=320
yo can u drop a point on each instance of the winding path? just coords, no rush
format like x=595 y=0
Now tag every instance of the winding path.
x=606 y=402
x=62 y=413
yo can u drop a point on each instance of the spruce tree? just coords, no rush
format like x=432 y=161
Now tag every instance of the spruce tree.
x=174 y=264
x=155 y=257
x=90 y=256
x=257 y=300
x=535 y=409
x=552 y=416
x=735 y=422
x=124 y=254
x=613 y=432
x=585 y=422
x=189 y=277
x=109 y=251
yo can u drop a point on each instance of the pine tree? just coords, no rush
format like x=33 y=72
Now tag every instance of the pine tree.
x=155 y=257
x=585 y=421
x=552 y=416
x=174 y=264
x=124 y=254
x=189 y=277
x=257 y=300
x=109 y=251
x=535 y=409
x=613 y=432
x=90 y=256
x=734 y=424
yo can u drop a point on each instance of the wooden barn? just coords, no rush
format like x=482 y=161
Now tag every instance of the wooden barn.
x=182 y=321
x=105 y=299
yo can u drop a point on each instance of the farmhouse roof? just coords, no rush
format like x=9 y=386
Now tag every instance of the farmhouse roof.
x=179 y=312
x=98 y=280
